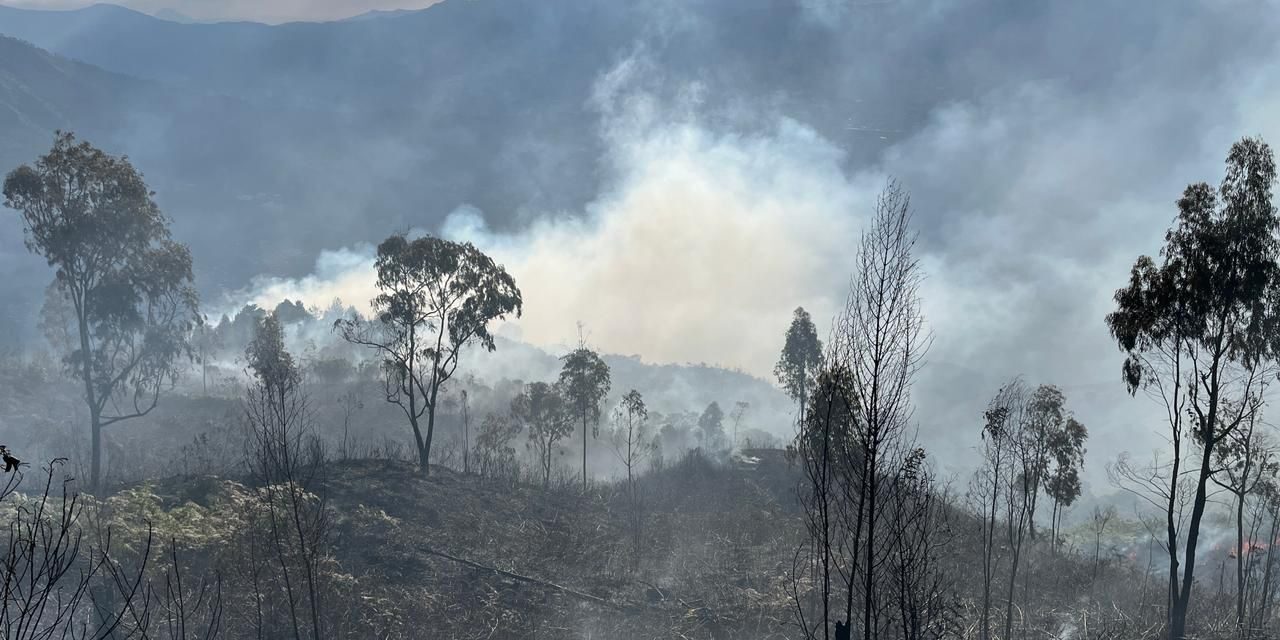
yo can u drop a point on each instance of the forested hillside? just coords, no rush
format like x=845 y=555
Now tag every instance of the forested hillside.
x=750 y=319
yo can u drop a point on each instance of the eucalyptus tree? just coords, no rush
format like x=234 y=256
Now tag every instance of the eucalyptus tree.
x=541 y=410
x=1062 y=479
x=800 y=359
x=287 y=459
x=1055 y=448
x=1198 y=325
x=632 y=441
x=436 y=298
x=129 y=284
x=585 y=383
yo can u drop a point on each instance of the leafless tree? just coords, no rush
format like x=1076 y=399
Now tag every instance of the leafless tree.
x=991 y=486
x=1244 y=461
x=286 y=459
x=860 y=420
x=1101 y=519
x=56 y=583
x=917 y=531
x=881 y=338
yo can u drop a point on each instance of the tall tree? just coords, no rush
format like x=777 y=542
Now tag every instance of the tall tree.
x=830 y=552
x=631 y=440
x=739 y=412
x=632 y=443
x=881 y=339
x=286 y=458
x=437 y=297
x=800 y=359
x=1198 y=329
x=989 y=486
x=1055 y=453
x=1046 y=413
x=129 y=283
x=855 y=443
x=711 y=425
x=542 y=411
x=1062 y=479
x=585 y=382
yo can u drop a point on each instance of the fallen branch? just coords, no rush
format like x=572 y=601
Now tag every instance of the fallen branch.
x=522 y=578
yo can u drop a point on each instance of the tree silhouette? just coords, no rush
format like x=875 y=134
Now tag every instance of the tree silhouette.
x=542 y=411
x=1198 y=330
x=585 y=382
x=437 y=297
x=801 y=357
x=711 y=425
x=129 y=283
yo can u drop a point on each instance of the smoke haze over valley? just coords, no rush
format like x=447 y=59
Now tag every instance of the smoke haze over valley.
x=709 y=184
x=665 y=182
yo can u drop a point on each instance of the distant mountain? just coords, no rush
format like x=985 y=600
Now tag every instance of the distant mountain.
x=284 y=140
x=39 y=93
x=354 y=128
x=378 y=14
x=174 y=16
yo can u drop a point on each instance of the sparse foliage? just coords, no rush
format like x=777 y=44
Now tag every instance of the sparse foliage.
x=543 y=413
x=584 y=380
x=437 y=297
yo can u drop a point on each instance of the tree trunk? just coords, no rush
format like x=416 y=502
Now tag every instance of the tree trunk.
x=1263 y=610
x=466 y=436
x=1013 y=577
x=1240 y=618
x=424 y=460
x=91 y=399
x=95 y=428
x=869 y=570
x=417 y=435
x=1178 y=625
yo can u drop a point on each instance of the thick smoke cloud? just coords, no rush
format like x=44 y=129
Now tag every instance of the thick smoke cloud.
x=697 y=251
x=1032 y=198
x=715 y=184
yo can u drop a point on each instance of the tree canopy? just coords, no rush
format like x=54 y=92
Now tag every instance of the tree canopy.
x=92 y=217
x=800 y=359
x=585 y=383
x=1199 y=331
x=436 y=298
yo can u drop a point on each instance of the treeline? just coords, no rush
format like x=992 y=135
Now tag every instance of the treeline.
x=123 y=316
x=889 y=550
x=123 y=312
x=1200 y=328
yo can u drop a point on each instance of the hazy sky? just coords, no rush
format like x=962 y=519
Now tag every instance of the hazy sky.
x=269 y=11
x=1033 y=195
x=1044 y=145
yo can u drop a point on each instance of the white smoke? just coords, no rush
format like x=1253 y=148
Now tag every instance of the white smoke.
x=698 y=253
x=1032 y=203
